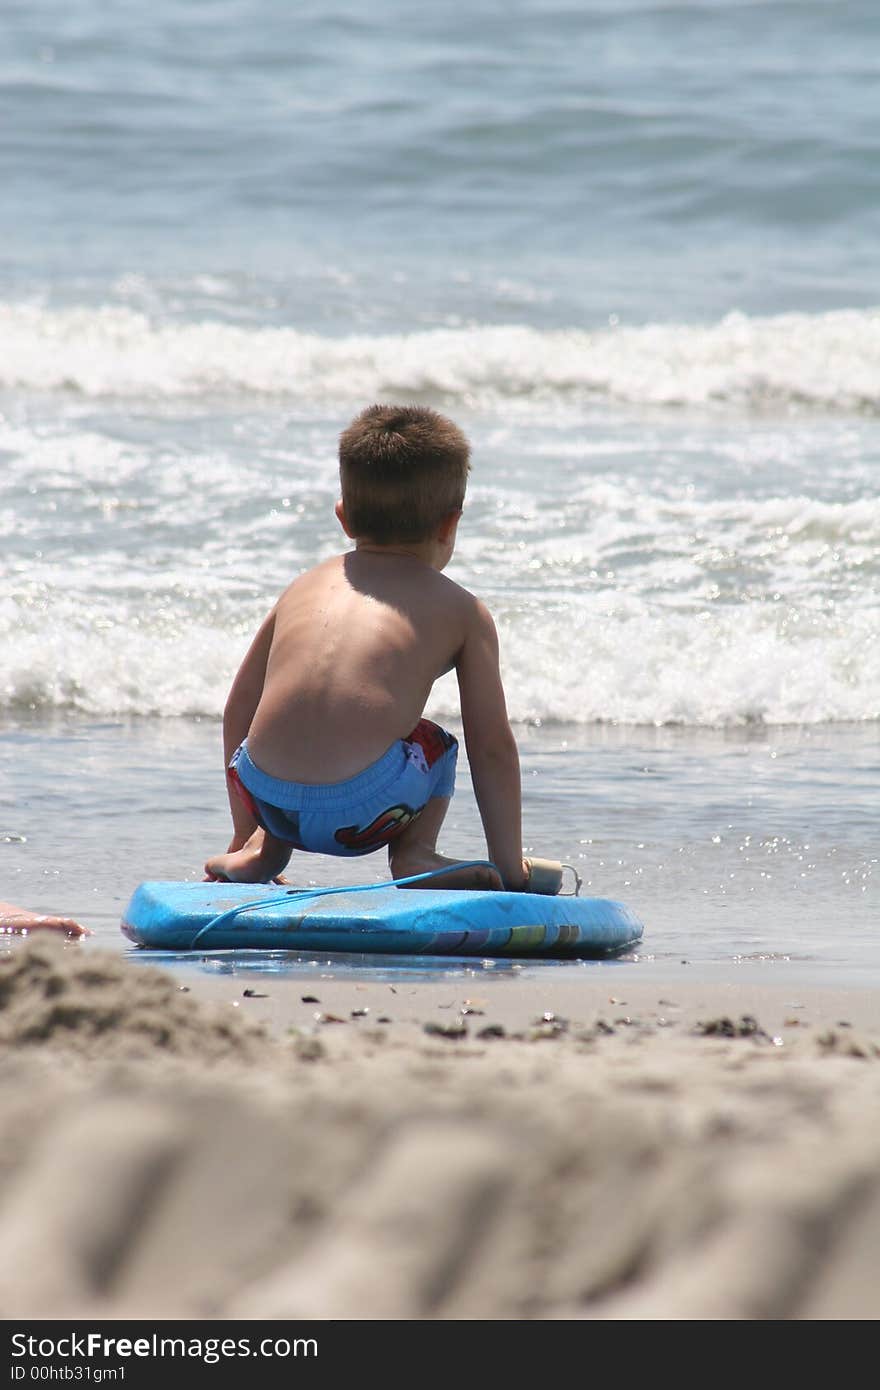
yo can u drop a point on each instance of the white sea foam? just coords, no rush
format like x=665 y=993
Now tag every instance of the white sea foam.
x=586 y=659
x=102 y=659
x=637 y=665
x=132 y=574
x=829 y=361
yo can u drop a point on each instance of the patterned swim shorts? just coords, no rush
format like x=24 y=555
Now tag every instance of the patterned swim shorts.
x=361 y=814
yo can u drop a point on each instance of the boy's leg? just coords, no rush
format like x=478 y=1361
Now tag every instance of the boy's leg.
x=260 y=860
x=414 y=851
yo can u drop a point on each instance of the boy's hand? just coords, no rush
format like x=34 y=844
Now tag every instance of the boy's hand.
x=520 y=885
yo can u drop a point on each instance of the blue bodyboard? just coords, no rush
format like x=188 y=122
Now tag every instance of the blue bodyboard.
x=385 y=920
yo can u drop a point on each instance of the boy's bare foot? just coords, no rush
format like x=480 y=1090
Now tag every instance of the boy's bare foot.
x=259 y=861
x=404 y=864
x=242 y=866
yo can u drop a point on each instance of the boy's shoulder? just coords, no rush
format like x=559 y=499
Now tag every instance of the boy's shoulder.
x=436 y=588
x=453 y=595
x=323 y=570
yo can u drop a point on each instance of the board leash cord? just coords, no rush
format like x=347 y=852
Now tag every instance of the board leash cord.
x=280 y=899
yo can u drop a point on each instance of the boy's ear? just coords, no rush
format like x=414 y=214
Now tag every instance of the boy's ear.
x=340 y=517
x=446 y=530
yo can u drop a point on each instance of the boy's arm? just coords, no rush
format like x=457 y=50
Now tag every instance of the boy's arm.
x=491 y=747
x=241 y=706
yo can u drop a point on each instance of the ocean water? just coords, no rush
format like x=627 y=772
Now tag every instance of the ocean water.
x=631 y=247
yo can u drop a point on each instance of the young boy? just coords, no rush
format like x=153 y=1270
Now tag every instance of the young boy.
x=324 y=739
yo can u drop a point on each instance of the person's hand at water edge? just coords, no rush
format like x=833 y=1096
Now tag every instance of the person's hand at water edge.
x=19 y=920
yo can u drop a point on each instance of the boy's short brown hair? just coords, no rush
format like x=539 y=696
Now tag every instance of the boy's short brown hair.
x=403 y=468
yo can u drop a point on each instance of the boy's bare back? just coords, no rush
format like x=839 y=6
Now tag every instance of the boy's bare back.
x=355 y=646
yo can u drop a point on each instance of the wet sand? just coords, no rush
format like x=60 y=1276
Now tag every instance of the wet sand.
x=612 y=1148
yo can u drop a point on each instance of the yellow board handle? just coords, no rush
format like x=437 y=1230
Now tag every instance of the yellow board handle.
x=545 y=876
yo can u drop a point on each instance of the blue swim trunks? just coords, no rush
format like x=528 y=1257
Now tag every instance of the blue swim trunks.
x=361 y=814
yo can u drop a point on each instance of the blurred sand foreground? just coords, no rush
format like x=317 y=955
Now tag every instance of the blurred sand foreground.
x=164 y=1155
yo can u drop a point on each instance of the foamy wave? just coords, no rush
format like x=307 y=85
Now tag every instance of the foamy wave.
x=580 y=662
x=117 y=673
x=713 y=668
x=827 y=361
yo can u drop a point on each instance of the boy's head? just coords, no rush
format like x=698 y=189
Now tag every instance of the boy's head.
x=403 y=470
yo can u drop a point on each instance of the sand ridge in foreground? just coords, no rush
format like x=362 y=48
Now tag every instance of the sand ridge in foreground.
x=163 y=1156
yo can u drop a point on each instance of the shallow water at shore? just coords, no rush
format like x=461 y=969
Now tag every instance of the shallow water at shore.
x=749 y=849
